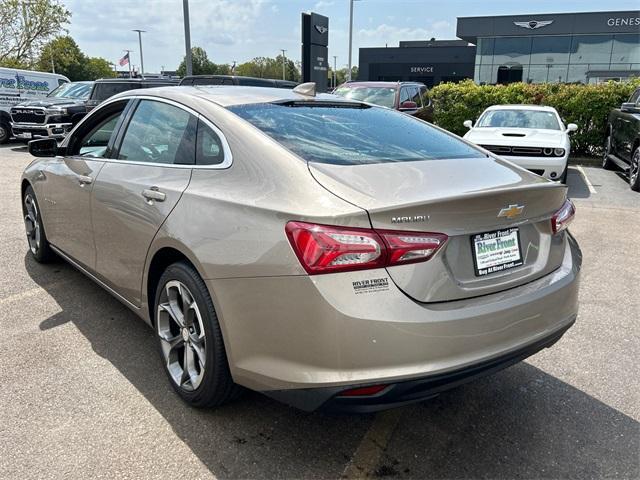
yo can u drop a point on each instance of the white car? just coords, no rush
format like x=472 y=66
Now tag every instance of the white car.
x=530 y=136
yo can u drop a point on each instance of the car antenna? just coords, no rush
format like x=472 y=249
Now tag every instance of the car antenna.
x=308 y=89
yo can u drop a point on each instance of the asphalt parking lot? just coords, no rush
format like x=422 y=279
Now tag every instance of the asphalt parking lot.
x=84 y=395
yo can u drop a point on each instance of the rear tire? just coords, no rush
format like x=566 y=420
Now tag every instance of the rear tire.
x=36 y=236
x=5 y=132
x=607 y=164
x=634 y=170
x=190 y=339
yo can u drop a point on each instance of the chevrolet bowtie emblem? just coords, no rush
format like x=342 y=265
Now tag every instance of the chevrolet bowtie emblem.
x=512 y=211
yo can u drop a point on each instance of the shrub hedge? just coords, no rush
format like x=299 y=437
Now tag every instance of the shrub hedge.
x=587 y=106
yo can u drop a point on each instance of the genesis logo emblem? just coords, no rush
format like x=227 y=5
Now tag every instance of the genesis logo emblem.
x=412 y=219
x=512 y=211
x=533 y=24
x=321 y=29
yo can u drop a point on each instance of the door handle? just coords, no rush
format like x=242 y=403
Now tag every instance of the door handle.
x=154 y=194
x=85 y=180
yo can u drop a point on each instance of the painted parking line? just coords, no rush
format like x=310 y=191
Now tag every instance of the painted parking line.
x=586 y=179
x=373 y=444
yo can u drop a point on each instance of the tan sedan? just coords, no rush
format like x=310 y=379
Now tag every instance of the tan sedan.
x=328 y=253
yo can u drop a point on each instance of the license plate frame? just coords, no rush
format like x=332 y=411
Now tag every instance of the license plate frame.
x=485 y=266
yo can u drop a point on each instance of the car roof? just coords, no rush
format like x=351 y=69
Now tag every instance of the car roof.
x=138 y=80
x=228 y=95
x=380 y=84
x=543 y=108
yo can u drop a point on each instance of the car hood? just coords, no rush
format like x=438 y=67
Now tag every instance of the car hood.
x=52 y=102
x=516 y=136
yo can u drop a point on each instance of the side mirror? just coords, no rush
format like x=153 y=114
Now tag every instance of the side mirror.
x=408 y=105
x=43 y=147
x=572 y=127
x=468 y=124
x=629 y=107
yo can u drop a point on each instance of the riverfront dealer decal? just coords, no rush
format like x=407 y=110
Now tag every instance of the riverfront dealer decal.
x=370 y=286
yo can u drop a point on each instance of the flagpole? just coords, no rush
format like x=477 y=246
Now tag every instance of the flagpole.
x=129 y=60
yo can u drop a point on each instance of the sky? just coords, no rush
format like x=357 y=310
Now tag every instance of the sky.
x=238 y=30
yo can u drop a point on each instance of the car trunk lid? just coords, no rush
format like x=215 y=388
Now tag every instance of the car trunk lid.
x=461 y=198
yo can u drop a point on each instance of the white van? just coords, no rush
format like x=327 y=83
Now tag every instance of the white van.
x=17 y=86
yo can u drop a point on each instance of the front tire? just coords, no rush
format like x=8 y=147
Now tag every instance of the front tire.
x=190 y=339
x=36 y=236
x=634 y=170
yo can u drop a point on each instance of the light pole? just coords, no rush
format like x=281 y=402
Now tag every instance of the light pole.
x=350 y=35
x=140 y=32
x=284 y=59
x=187 y=37
x=335 y=74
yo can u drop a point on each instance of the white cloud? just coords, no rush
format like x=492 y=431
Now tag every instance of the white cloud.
x=384 y=33
x=322 y=4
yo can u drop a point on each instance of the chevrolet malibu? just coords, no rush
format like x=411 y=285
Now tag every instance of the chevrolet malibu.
x=328 y=253
x=531 y=136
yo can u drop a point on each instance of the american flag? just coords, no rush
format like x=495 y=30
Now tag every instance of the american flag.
x=124 y=60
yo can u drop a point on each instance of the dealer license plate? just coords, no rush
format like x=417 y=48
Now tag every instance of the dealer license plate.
x=26 y=135
x=496 y=251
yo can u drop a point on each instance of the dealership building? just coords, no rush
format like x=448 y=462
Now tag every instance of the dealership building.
x=565 y=47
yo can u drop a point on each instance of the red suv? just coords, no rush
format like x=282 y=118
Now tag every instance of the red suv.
x=408 y=97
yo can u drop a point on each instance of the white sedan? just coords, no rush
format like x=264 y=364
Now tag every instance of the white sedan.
x=530 y=136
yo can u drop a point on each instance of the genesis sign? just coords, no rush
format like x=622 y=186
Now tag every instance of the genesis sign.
x=623 y=22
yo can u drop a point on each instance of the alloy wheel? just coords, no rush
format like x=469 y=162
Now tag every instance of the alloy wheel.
x=32 y=223
x=635 y=167
x=182 y=335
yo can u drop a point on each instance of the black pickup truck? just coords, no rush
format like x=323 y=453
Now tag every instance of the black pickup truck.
x=57 y=113
x=622 y=142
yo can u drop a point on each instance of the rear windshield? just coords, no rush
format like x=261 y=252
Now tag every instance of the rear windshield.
x=353 y=135
x=519 y=119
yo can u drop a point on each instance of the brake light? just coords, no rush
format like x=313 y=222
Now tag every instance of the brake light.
x=327 y=249
x=410 y=247
x=563 y=217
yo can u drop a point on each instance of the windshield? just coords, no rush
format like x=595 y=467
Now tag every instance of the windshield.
x=353 y=135
x=72 y=90
x=383 y=96
x=519 y=119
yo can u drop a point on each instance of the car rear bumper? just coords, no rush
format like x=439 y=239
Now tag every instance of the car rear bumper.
x=411 y=391
x=304 y=339
x=28 y=131
x=550 y=168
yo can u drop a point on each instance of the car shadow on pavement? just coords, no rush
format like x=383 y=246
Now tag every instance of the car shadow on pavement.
x=578 y=187
x=521 y=422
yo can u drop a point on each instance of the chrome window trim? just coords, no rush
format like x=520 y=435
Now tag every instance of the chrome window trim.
x=228 y=156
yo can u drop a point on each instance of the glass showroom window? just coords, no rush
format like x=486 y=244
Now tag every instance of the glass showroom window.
x=547 y=73
x=591 y=49
x=510 y=50
x=550 y=50
x=626 y=49
x=578 y=73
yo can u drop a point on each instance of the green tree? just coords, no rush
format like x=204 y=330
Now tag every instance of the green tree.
x=26 y=26
x=202 y=65
x=267 y=67
x=63 y=54
x=96 y=67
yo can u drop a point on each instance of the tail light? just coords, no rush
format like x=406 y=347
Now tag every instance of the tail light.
x=327 y=249
x=563 y=217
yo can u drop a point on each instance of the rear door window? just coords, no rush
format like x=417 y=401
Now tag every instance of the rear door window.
x=209 y=150
x=353 y=135
x=159 y=133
